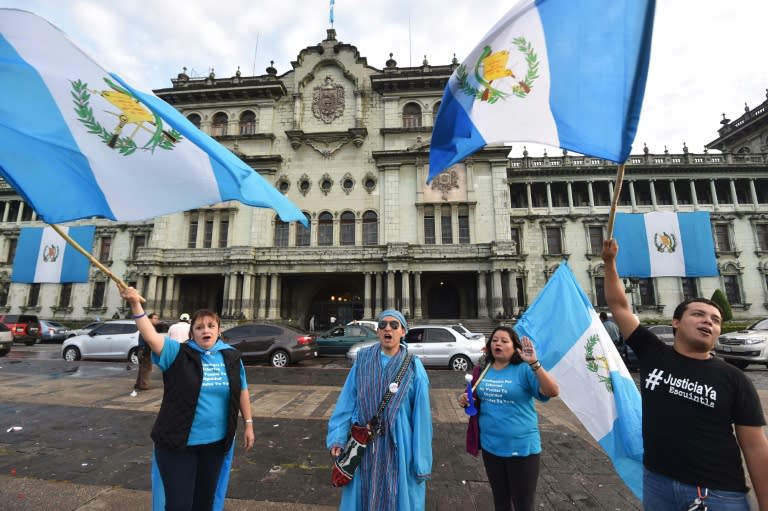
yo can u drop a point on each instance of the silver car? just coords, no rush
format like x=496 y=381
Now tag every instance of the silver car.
x=745 y=347
x=111 y=340
x=6 y=340
x=437 y=346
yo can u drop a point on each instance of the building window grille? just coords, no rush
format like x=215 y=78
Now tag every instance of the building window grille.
x=411 y=116
x=325 y=230
x=347 y=233
x=370 y=228
x=281 y=233
x=429 y=225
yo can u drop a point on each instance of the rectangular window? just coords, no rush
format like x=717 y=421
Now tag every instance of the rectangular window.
x=463 y=225
x=642 y=193
x=580 y=194
x=223 y=232
x=281 y=233
x=521 y=300
x=559 y=192
x=723 y=191
x=65 y=295
x=600 y=292
x=325 y=233
x=703 y=192
x=192 y=234
x=302 y=235
x=683 y=192
x=97 y=300
x=647 y=294
x=595 y=239
x=12 y=244
x=761 y=190
x=429 y=226
x=732 y=289
x=761 y=233
x=370 y=232
x=601 y=193
x=139 y=241
x=208 y=232
x=515 y=238
x=663 y=193
x=347 y=233
x=722 y=238
x=539 y=195
x=518 y=196
x=4 y=287
x=446 y=227
x=690 y=288
x=105 y=248
x=743 y=195
x=34 y=295
x=554 y=241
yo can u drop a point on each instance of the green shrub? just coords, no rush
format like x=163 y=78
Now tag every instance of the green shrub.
x=719 y=298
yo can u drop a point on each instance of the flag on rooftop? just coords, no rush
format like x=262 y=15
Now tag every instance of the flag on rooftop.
x=594 y=382
x=78 y=142
x=558 y=72
x=42 y=255
x=665 y=244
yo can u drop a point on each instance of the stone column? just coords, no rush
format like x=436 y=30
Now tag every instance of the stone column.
x=734 y=195
x=694 y=196
x=263 y=296
x=226 y=309
x=390 y=301
x=591 y=196
x=673 y=193
x=170 y=304
x=652 y=187
x=529 y=197
x=200 y=240
x=417 y=313
x=498 y=306
x=753 y=192
x=20 y=213
x=713 y=193
x=632 y=198
x=482 y=305
x=274 y=297
x=405 y=308
x=6 y=207
x=234 y=284
x=247 y=303
x=378 y=305
x=151 y=295
x=438 y=225
x=367 y=314
x=512 y=283
x=549 y=197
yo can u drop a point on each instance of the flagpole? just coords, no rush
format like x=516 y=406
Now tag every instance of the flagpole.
x=480 y=378
x=615 y=200
x=96 y=262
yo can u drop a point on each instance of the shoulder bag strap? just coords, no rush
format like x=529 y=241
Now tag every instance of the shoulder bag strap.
x=385 y=400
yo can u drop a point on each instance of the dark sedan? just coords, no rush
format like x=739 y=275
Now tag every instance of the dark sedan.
x=337 y=341
x=53 y=331
x=264 y=342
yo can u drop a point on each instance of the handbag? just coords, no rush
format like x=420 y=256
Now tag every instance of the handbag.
x=345 y=465
x=472 y=443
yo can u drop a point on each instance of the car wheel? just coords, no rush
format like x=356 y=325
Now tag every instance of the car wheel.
x=133 y=356
x=279 y=359
x=741 y=364
x=71 y=354
x=461 y=363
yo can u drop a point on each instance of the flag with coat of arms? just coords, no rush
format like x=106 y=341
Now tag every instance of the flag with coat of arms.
x=43 y=256
x=565 y=73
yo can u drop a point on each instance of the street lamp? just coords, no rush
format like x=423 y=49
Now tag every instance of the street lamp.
x=630 y=285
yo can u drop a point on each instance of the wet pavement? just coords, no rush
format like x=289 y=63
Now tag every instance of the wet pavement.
x=84 y=441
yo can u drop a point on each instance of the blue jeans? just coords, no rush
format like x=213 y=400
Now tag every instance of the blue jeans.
x=660 y=493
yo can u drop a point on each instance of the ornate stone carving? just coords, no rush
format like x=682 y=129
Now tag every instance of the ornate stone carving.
x=445 y=182
x=328 y=101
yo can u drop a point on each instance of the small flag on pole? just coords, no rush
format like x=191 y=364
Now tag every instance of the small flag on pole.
x=558 y=72
x=79 y=142
x=665 y=244
x=594 y=382
x=42 y=255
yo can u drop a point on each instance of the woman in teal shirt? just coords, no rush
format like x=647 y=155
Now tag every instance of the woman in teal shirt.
x=509 y=428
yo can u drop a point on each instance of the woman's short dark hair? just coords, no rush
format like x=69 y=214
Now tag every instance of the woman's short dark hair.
x=203 y=313
x=516 y=359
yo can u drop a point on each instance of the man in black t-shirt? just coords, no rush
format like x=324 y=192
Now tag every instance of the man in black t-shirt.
x=699 y=413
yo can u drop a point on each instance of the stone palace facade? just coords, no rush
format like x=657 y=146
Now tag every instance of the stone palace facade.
x=348 y=144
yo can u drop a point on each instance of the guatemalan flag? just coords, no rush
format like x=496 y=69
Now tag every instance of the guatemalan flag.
x=42 y=255
x=565 y=73
x=665 y=244
x=79 y=142
x=575 y=348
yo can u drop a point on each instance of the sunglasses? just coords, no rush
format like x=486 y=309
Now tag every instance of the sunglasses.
x=395 y=325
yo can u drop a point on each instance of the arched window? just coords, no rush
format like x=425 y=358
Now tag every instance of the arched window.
x=370 y=228
x=247 y=123
x=281 y=233
x=435 y=110
x=411 y=116
x=195 y=119
x=304 y=234
x=219 y=126
x=325 y=229
x=347 y=228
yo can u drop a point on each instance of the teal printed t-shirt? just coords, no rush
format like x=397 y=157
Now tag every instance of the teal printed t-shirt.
x=509 y=425
x=210 y=422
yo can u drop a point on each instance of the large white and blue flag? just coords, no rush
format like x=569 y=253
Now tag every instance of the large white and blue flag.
x=79 y=142
x=665 y=244
x=558 y=72
x=42 y=255
x=575 y=348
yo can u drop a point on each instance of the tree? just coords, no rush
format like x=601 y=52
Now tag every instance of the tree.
x=719 y=298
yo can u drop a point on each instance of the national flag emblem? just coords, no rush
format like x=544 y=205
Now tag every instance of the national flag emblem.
x=51 y=253
x=493 y=67
x=43 y=256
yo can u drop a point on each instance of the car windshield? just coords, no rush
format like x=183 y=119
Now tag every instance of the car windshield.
x=463 y=331
x=760 y=325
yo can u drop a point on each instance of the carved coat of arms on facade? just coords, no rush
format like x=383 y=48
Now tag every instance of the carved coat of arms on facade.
x=328 y=101
x=445 y=182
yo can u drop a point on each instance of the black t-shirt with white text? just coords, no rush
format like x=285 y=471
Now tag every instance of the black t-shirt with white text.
x=689 y=408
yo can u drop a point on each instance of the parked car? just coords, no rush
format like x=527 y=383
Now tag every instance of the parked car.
x=745 y=347
x=373 y=325
x=663 y=332
x=6 y=340
x=466 y=333
x=279 y=345
x=53 y=331
x=627 y=355
x=337 y=341
x=437 y=346
x=110 y=340
x=87 y=328
x=24 y=327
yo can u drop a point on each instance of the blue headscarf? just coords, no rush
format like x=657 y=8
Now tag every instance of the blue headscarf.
x=395 y=314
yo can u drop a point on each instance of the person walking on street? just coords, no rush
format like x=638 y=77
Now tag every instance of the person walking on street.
x=611 y=328
x=204 y=388
x=394 y=469
x=509 y=428
x=180 y=331
x=145 y=358
x=312 y=323
x=700 y=414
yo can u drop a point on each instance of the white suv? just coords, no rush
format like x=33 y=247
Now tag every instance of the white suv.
x=745 y=347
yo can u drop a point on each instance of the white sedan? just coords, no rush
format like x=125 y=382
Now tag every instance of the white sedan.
x=111 y=340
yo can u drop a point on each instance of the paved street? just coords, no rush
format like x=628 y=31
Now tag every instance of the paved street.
x=84 y=442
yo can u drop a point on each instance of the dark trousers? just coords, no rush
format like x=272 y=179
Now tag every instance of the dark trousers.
x=190 y=476
x=513 y=480
x=145 y=368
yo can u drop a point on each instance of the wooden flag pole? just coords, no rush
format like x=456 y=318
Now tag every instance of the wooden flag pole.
x=89 y=256
x=480 y=378
x=615 y=200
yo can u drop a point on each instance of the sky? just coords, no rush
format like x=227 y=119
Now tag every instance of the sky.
x=707 y=58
